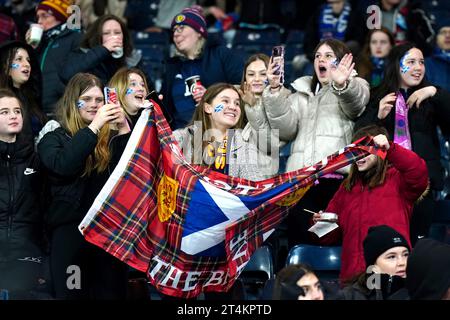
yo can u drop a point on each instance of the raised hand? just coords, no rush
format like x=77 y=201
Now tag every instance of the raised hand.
x=419 y=95
x=106 y=113
x=339 y=74
x=274 y=73
x=113 y=43
x=385 y=105
x=381 y=141
x=247 y=95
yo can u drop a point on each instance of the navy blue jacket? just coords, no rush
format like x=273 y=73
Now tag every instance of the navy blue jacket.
x=219 y=64
x=438 y=71
x=52 y=54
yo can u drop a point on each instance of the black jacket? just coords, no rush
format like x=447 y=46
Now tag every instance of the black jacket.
x=71 y=194
x=382 y=287
x=428 y=270
x=422 y=127
x=97 y=61
x=52 y=52
x=21 y=180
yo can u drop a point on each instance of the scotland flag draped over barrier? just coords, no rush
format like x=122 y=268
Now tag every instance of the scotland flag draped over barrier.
x=189 y=228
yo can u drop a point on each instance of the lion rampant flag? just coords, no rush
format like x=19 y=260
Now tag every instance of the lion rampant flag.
x=189 y=228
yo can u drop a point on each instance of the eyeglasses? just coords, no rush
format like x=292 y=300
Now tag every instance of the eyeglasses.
x=43 y=16
x=178 y=29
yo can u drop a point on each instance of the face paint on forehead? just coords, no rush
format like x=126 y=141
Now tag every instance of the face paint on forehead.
x=15 y=66
x=403 y=67
x=219 y=107
x=81 y=104
x=129 y=91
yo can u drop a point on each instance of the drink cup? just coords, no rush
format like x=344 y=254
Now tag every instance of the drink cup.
x=328 y=216
x=36 y=33
x=192 y=83
x=118 y=53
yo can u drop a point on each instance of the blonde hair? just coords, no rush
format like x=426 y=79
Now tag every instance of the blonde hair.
x=199 y=45
x=70 y=119
x=121 y=82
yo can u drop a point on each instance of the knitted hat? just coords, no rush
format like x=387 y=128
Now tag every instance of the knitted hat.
x=57 y=7
x=380 y=239
x=193 y=18
x=442 y=22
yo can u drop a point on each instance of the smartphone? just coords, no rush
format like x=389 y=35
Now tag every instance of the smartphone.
x=111 y=98
x=110 y=95
x=277 y=51
x=278 y=55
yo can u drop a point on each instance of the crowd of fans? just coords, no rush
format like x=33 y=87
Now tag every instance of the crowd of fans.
x=383 y=72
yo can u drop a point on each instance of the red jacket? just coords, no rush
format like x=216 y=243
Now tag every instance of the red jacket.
x=390 y=204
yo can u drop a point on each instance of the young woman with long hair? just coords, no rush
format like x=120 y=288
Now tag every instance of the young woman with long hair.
x=218 y=120
x=79 y=152
x=318 y=118
x=372 y=58
x=105 y=48
x=132 y=89
x=411 y=109
x=375 y=192
x=21 y=212
x=20 y=73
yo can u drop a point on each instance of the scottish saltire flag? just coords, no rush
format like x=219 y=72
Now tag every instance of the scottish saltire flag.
x=189 y=228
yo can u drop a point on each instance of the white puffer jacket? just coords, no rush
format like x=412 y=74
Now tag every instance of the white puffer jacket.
x=318 y=125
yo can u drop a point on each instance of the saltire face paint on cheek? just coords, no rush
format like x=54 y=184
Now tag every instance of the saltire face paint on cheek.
x=15 y=66
x=129 y=91
x=403 y=67
x=219 y=108
x=81 y=104
x=335 y=62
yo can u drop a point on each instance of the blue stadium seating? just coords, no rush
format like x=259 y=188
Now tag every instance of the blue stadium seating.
x=254 y=41
x=325 y=261
x=154 y=47
x=257 y=271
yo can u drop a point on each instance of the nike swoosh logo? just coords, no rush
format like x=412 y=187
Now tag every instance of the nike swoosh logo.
x=29 y=171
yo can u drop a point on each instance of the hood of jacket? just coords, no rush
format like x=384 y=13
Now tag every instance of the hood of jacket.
x=428 y=270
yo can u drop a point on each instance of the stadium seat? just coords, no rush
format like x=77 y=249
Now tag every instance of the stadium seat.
x=325 y=261
x=257 y=271
x=294 y=44
x=254 y=41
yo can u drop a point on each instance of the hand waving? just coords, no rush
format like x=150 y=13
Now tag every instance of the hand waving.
x=247 y=95
x=339 y=74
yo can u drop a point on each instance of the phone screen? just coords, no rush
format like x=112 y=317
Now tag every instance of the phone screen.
x=278 y=51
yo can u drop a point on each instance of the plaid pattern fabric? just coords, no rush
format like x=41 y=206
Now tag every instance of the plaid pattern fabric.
x=151 y=211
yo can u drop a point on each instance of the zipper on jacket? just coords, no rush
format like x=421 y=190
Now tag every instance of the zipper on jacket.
x=389 y=287
x=11 y=195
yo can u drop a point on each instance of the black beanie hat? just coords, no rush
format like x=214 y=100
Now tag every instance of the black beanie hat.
x=378 y=240
x=428 y=270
